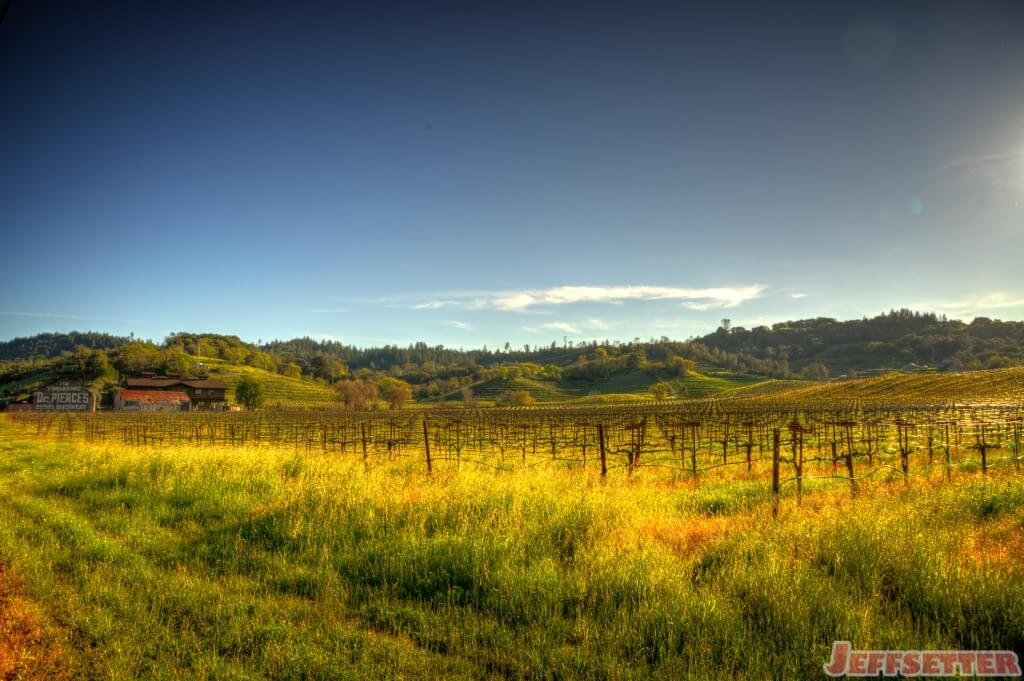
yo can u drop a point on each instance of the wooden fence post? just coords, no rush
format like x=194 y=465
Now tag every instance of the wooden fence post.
x=750 y=446
x=600 y=440
x=426 y=445
x=983 y=447
x=775 y=473
x=949 y=462
x=1016 y=446
x=849 y=460
x=798 y=460
x=903 y=436
x=693 y=451
x=362 y=431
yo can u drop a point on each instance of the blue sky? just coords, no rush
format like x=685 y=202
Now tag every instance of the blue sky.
x=470 y=174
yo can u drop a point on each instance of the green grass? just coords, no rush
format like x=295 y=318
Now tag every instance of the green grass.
x=768 y=387
x=624 y=386
x=696 y=384
x=712 y=384
x=492 y=390
x=279 y=390
x=235 y=564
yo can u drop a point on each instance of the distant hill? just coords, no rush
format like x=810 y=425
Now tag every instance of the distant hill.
x=49 y=345
x=633 y=382
x=302 y=370
x=895 y=340
x=277 y=389
x=995 y=385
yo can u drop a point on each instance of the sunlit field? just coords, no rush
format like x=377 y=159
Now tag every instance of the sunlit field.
x=214 y=562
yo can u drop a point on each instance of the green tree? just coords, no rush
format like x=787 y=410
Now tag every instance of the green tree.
x=660 y=390
x=356 y=394
x=249 y=393
x=681 y=366
x=177 y=362
x=517 y=398
x=133 y=358
x=469 y=401
x=815 y=371
x=396 y=391
x=326 y=367
x=637 y=359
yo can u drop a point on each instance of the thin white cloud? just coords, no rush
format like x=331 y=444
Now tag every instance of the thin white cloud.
x=524 y=299
x=1003 y=169
x=798 y=296
x=977 y=305
x=576 y=327
x=455 y=324
x=562 y=326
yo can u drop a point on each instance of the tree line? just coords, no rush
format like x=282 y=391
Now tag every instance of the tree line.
x=812 y=349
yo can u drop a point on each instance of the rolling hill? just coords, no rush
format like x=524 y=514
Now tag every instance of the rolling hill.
x=994 y=385
x=279 y=390
x=625 y=386
x=733 y=362
x=893 y=340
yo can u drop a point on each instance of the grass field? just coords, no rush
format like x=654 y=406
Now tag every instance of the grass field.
x=279 y=390
x=186 y=563
x=625 y=386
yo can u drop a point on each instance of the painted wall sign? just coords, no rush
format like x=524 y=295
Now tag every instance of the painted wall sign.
x=63 y=396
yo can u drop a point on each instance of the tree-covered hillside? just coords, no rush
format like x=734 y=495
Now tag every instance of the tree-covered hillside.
x=47 y=345
x=888 y=341
x=813 y=349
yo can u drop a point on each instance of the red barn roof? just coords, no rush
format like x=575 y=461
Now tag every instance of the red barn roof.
x=151 y=396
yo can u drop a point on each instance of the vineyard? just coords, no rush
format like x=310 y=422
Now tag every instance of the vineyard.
x=855 y=440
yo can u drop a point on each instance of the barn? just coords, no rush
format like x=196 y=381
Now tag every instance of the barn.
x=203 y=393
x=151 y=400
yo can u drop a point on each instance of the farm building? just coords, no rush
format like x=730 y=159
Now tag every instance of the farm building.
x=151 y=400
x=203 y=393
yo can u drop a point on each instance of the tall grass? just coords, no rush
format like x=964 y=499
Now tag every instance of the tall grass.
x=228 y=563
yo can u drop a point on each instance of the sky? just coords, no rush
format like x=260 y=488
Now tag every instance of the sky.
x=482 y=173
